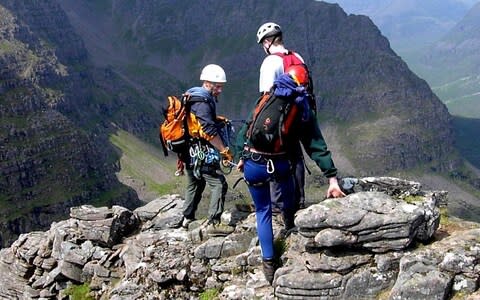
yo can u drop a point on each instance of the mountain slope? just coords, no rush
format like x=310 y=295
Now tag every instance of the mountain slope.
x=410 y=24
x=358 y=78
x=48 y=163
x=442 y=52
x=452 y=66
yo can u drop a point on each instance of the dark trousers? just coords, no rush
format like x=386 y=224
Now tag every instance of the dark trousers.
x=299 y=184
x=195 y=188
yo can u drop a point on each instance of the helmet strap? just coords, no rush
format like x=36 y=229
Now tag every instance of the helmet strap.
x=267 y=50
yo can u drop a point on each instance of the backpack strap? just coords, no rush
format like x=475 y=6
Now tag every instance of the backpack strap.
x=186 y=104
x=193 y=118
x=289 y=59
x=164 y=147
x=262 y=100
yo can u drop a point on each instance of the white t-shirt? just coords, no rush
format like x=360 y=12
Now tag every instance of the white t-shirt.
x=272 y=68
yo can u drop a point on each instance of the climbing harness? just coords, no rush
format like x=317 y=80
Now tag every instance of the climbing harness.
x=205 y=157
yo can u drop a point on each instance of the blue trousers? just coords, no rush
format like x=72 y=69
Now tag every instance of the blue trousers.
x=258 y=179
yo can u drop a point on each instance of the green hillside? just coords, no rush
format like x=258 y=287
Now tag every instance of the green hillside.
x=468 y=143
x=143 y=167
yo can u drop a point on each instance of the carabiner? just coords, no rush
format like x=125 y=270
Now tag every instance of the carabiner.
x=201 y=155
x=193 y=151
x=270 y=166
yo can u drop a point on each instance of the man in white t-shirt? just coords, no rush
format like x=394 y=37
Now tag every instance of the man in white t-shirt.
x=269 y=35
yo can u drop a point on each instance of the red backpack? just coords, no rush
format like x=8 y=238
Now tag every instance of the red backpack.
x=289 y=59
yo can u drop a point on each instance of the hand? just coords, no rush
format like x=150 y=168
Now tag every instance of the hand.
x=227 y=155
x=240 y=165
x=334 y=190
x=221 y=119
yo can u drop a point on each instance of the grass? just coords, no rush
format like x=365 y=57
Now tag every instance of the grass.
x=44 y=193
x=6 y=47
x=105 y=198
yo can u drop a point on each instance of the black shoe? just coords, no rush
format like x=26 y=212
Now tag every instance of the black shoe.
x=276 y=211
x=288 y=220
x=268 y=270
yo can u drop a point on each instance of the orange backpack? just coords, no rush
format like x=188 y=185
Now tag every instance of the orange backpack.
x=180 y=125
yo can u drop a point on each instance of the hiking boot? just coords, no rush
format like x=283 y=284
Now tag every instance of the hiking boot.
x=268 y=270
x=219 y=229
x=186 y=222
x=285 y=233
x=288 y=220
x=279 y=219
x=276 y=211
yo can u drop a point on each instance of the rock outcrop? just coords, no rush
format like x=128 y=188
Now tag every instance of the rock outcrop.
x=384 y=239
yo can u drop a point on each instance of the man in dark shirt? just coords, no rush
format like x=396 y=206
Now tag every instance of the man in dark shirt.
x=206 y=151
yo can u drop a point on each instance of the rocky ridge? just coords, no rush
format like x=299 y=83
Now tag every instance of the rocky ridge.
x=385 y=240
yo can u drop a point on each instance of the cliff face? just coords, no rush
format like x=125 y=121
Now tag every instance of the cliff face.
x=377 y=106
x=47 y=162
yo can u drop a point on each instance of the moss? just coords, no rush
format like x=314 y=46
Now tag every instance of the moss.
x=280 y=246
x=444 y=220
x=383 y=295
x=459 y=296
x=78 y=292
x=209 y=294
x=413 y=199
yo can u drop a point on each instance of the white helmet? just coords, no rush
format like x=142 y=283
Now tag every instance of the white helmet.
x=213 y=73
x=267 y=30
